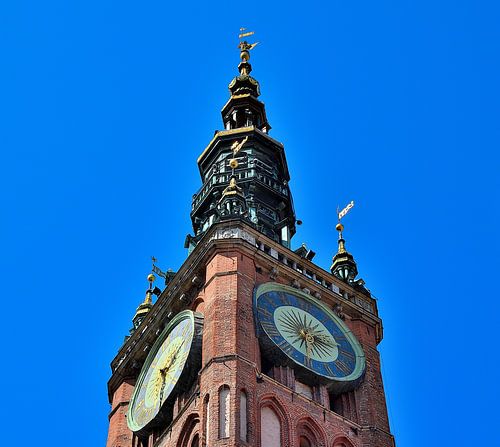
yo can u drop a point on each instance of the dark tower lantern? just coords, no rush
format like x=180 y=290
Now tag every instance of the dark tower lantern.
x=243 y=170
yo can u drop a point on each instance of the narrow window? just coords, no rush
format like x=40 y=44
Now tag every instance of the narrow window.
x=206 y=419
x=196 y=441
x=270 y=428
x=224 y=414
x=304 y=442
x=243 y=417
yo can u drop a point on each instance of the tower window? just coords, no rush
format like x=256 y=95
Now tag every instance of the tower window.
x=206 y=419
x=345 y=405
x=224 y=412
x=270 y=428
x=243 y=416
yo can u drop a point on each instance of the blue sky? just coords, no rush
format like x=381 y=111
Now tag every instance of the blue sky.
x=104 y=109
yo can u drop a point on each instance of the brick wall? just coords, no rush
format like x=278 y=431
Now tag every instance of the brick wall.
x=231 y=357
x=118 y=434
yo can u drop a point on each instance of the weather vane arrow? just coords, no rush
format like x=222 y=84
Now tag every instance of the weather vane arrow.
x=156 y=269
x=345 y=210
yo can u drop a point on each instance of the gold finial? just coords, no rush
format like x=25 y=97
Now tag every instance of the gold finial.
x=244 y=46
x=339 y=227
x=151 y=278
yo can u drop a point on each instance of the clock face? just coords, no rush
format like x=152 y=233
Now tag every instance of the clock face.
x=309 y=335
x=161 y=371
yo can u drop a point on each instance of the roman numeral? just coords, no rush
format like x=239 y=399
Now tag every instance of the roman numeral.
x=270 y=328
x=329 y=370
x=342 y=366
x=285 y=346
x=348 y=354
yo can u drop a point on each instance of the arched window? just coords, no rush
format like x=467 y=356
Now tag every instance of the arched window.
x=196 y=441
x=189 y=432
x=342 y=442
x=206 y=419
x=243 y=416
x=310 y=434
x=270 y=428
x=224 y=412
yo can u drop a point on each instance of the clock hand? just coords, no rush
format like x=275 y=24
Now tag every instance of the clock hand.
x=309 y=342
x=164 y=370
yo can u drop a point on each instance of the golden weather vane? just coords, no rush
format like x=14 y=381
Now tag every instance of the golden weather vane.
x=244 y=46
x=156 y=269
x=245 y=34
x=339 y=227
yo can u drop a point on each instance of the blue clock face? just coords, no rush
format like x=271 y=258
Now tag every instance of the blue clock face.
x=308 y=333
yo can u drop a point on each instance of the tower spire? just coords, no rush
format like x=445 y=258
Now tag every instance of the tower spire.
x=145 y=306
x=244 y=171
x=244 y=67
x=243 y=108
x=343 y=267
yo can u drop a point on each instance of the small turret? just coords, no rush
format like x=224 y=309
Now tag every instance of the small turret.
x=344 y=267
x=145 y=306
x=243 y=108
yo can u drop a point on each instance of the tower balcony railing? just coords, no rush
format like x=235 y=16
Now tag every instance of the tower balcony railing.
x=222 y=178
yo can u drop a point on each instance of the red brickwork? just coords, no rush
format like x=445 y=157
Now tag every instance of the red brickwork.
x=231 y=357
x=118 y=434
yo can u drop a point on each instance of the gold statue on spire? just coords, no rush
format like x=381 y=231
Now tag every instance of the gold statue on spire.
x=236 y=147
x=244 y=46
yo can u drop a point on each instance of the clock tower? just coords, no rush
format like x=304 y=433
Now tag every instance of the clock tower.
x=250 y=343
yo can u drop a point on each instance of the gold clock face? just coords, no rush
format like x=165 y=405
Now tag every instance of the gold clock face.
x=161 y=371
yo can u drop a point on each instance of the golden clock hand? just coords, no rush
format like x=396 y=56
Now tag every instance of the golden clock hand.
x=162 y=388
x=164 y=370
x=309 y=342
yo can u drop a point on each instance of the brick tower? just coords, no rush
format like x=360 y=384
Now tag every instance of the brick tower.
x=250 y=343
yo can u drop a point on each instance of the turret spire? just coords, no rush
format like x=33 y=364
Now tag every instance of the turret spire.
x=343 y=266
x=145 y=306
